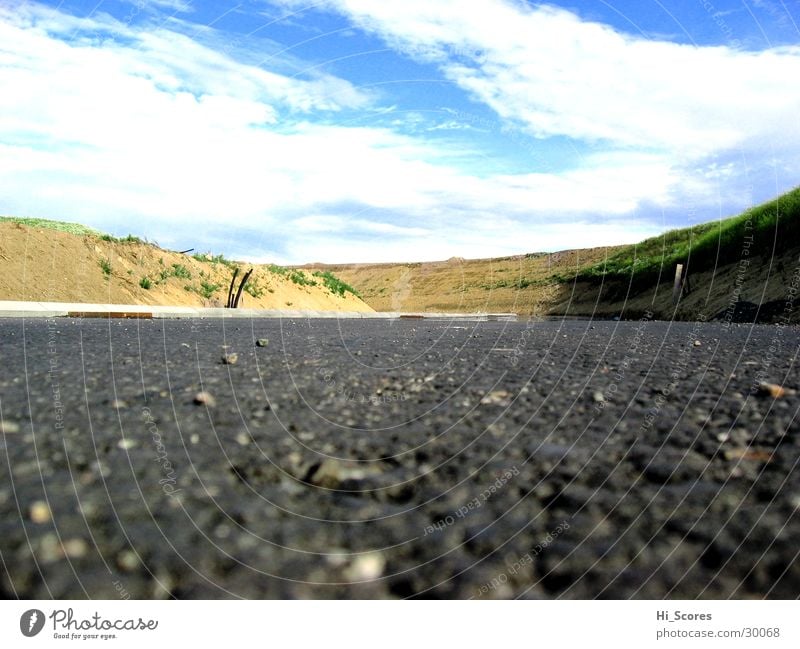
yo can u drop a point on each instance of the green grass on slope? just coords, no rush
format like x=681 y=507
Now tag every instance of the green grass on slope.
x=766 y=229
x=72 y=228
x=335 y=285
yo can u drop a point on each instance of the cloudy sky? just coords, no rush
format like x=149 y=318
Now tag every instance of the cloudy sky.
x=376 y=130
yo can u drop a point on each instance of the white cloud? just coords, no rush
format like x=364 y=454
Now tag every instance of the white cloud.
x=148 y=130
x=179 y=6
x=556 y=74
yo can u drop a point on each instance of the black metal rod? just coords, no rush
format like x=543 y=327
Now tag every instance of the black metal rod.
x=241 y=288
x=229 y=303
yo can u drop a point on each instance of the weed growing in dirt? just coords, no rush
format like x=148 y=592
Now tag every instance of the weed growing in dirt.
x=278 y=270
x=519 y=283
x=334 y=284
x=126 y=239
x=299 y=278
x=105 y=266
x=253 y=289
x=145 y=283
x=179 y=270
x=207 y=289
x=208 y=258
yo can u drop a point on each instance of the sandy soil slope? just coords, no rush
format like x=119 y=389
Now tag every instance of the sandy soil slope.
x=521 y=284
x=762 y=290
x=48 y=265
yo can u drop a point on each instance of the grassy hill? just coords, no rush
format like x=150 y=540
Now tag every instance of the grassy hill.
x=624 y=281
x=60 y=226
x=768 y=229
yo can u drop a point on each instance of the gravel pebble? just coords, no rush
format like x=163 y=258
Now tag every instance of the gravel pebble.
x=497 y=398
x=771 y=390
x=8 y=427
x=205 y=399
x=40 y=512
x=366 y=567
x=75 y=548
x=752 y=454
x=127 y=561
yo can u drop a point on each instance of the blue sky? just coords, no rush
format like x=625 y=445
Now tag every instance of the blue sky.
x=368 y=130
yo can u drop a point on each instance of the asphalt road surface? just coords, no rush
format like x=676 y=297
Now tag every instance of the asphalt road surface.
x=414 y=458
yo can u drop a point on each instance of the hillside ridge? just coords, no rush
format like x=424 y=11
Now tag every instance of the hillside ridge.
x=753 y=256
x=52 y=261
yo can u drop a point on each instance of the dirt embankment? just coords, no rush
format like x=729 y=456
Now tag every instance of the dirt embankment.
x=39 y=264
x=757 y=289
x=520 y=284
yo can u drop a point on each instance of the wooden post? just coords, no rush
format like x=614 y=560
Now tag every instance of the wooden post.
x=677 y=287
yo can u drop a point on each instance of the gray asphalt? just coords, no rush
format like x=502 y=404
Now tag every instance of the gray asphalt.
x=371 y=459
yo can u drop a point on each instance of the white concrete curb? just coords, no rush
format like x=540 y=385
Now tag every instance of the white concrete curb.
x=15 y=309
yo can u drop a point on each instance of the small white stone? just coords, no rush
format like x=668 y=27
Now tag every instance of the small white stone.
x=75 y=548
x=497 y=398
x=8 y=427
x=127 y=560
x=205 y=399
x=49 y=549
x=40 y=512
x=366 y=567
